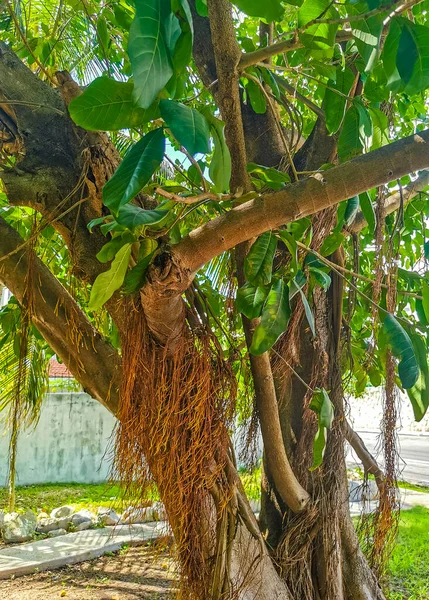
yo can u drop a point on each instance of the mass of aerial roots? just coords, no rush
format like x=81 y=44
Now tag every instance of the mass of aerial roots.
x=174 y=413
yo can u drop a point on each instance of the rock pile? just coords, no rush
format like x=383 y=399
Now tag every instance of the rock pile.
x=22 y=527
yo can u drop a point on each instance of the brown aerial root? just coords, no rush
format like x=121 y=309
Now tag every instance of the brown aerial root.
x=174 y=413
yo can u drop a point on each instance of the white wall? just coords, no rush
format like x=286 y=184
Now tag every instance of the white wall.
x=67 y=445
x=366 y=412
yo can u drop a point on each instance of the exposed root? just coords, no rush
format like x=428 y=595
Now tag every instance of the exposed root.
x=173 y=417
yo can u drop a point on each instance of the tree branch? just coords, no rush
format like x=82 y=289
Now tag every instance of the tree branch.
x=226 y=53
x=393 y=201
x=92 y=360
x=368 y=461
x=302 y=199
x=251 y=58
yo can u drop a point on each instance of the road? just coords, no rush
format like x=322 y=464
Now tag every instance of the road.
x=413 y=451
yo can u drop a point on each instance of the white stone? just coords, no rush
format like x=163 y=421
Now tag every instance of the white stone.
x=137 y=515
x=42 y=515
x=107 y=516
x=46 y=525
x=18 y=527
x=83 y=516
x=83 y=526
x=1 y=518
x=61 y=512
x=57 y=533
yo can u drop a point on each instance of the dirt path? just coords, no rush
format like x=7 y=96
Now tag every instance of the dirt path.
x=132 y=574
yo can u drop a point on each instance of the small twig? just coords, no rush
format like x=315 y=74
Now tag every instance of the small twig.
x=194 y=199
x=304 y=383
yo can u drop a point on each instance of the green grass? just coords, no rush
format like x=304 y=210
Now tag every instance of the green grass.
x=409 y=565
x=51 y=495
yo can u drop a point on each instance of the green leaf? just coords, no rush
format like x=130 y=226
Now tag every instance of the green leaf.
x=110 y=281
x=349 y=142
x=331 y=243
x=250 y=300
x=256 y=97
x=132 y=216
x=258 y=264
x=419 y=393
x=351 y=210
x=335 y=100
x=368 y=210
x=323 y=407
x=110 y=249
x=321 y=278
x=380 y=127
x=274 y=320
x=270 y=10
x=134 y=172
x=320 y=35
x=188 y=126
x=135 y=278
x=366 y=35
x=426 y=250
x=108 y=105
x=308 y=312
x=220 y=166
x=201 y=6
x=425 y=301
x=402 y=348
x=148 y=51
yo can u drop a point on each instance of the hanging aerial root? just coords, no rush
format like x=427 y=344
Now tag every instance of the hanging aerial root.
x=173 y=416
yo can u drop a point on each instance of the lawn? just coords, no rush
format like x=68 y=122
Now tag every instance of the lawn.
x=51 y=495
x=409 y=564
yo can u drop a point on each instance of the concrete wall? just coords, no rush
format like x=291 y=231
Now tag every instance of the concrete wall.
x=67 y=445
x=366 y=412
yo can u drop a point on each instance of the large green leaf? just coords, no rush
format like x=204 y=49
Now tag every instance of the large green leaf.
x=368 y=210
x=132 y=216
x=380 y=128
x=335 y=98
x=108 y=282
x=412 y=60
x=270 y=10
x=349 y=142
x=331 y=243
x=258 y=264
x=108 y=105
x=220 y=166
x=135 y=170
x=274 y=320
x=419 y=393
x=148 y=51
x=256 y=97
x=323 y=407
x=320 y=35
x=402 y=348
x=351 y=210
x=188 y=126
x=425 y=296
x=367 y=34
x=251 y=299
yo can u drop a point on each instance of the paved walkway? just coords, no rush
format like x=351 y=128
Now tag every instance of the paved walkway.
x=53 y=553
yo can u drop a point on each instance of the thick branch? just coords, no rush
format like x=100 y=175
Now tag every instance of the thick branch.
x=92 y=360
x=303 y=198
